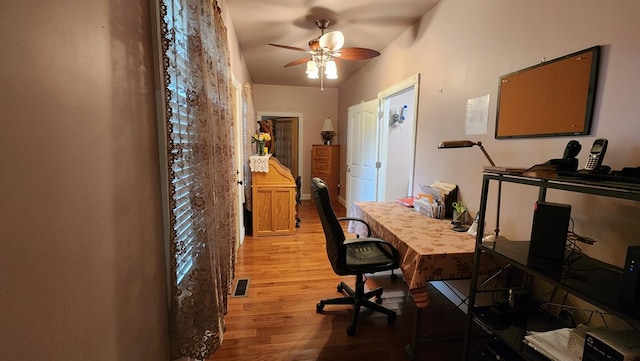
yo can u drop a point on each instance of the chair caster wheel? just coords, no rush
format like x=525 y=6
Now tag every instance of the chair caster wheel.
x=319 y=308
x=409 y=353
x=391 y=319
x=351 y=330
x=394 y=276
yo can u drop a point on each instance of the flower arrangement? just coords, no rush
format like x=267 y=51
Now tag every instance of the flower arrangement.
x=261 y=138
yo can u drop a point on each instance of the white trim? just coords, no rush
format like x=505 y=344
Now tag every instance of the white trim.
x=300 y=117
x=412 y=81
x=383 y=98
x=239 y=150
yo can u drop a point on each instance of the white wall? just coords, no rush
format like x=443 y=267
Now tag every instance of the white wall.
x=81 y=250
x=462 y=47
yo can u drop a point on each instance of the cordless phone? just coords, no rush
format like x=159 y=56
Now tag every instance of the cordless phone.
x=596 y=154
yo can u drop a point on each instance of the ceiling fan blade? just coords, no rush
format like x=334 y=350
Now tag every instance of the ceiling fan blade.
x=288 y=47
x=297 y=62
x=332 y=40
x=314 y=44
x=357 y=53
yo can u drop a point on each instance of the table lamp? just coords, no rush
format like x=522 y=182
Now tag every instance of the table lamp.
x=327 y=131
x=468 y=144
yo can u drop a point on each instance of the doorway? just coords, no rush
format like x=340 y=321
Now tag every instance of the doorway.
x=285 y=138
x=381 y=138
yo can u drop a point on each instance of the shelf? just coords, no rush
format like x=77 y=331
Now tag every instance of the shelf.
x=595 y=282
x=623 y=190
x=495 y=349
x=512 y=329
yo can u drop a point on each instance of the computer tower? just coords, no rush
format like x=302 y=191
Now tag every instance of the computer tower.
x=631 y=277
x=549 y=236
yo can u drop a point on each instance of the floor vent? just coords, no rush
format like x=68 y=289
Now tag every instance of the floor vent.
x=241 y=287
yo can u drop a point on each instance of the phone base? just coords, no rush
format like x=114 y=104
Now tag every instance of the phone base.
x=603 y=169
x=566 y=164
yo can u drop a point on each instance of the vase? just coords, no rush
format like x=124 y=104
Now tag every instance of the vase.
x=261 y=151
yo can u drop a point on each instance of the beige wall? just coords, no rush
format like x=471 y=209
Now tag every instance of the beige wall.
x=238 y=67
x=461 y=48
x=81 y=251
x=314 y=105
x=83 y=271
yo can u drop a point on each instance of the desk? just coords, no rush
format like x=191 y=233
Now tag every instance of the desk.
x=429 y=250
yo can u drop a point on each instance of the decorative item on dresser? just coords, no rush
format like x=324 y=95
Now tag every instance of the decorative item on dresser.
x=327 y=131
x=325 y=164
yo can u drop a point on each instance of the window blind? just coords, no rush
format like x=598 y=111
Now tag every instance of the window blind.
x=182 y=173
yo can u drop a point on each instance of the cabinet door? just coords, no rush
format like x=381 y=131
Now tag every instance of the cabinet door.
x=273 y=211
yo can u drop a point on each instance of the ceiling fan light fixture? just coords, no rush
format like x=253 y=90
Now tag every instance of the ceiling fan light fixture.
x=331 y=71
x=323 y=50
x=332 y=40
x=312 y=70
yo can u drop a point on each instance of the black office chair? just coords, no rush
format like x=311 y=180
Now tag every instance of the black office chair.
x=352 y=257
x=298 y=202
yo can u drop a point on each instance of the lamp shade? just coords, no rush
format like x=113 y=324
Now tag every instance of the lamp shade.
x=332 y=40
x=465 y=144
x=327 y=126
x=331 y=70
x=456 y=144
x=312 y=70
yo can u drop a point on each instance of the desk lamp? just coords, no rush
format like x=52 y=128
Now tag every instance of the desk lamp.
x=468 y=144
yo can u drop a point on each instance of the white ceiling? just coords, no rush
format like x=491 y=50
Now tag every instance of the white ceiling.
x=369 y=24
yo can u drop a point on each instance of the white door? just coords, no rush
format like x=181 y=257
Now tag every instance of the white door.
x=362 y=153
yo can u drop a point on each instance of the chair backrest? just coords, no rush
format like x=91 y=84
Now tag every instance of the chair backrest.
x=334 y=236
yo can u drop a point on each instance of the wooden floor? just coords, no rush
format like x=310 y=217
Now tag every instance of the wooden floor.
x=277 y=319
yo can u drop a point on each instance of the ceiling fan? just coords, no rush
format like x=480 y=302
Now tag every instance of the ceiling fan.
x=322 y=51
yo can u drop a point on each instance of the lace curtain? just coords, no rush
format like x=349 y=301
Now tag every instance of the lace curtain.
x=283 y=143
x=202 y=190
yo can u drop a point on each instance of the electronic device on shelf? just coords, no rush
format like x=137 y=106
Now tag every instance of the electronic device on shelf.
x=548 y=236
x=596 y=154
x=631 y=278
x=568 y=162
x=603 y=345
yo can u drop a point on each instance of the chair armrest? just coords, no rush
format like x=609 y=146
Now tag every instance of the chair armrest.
x=357 y=220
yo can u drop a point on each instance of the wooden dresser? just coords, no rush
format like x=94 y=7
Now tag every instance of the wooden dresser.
x=325 y=164
x=273 y=198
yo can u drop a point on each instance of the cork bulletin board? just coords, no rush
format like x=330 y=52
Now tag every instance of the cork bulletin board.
x=553 y=98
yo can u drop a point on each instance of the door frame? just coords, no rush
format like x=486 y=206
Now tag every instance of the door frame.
x=239 y=116
x=300 y=117
x=384 y=98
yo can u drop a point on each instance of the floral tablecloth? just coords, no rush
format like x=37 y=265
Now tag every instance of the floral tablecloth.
x=429 y=249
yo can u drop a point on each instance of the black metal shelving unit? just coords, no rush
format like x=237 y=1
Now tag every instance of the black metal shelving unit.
x=593 y=281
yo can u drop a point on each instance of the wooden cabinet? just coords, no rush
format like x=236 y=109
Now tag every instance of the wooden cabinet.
x=273 y=198
x=325 y=164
